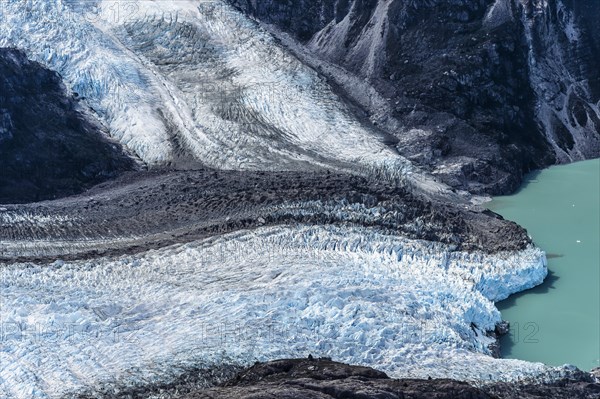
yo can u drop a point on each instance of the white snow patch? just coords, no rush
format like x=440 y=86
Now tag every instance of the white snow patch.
x=499 y=13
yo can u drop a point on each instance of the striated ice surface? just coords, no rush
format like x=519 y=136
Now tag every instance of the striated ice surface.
x=408 y=307
x=195 y=79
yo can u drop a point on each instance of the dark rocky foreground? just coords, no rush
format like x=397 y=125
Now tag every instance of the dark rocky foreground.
x=494 y=88
x=325 y=379
x=49 y=146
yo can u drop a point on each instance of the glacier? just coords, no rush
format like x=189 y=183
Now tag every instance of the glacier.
x=408 y=307
x=198 y=82
x=185 y=78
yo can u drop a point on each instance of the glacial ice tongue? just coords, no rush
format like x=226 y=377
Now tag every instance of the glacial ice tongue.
x=195 y=79
x=410 y=308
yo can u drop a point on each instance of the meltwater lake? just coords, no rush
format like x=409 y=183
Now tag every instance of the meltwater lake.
x=559 y=321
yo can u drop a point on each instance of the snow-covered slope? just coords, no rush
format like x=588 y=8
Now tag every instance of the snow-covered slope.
x=410 y=308
x=194 y=78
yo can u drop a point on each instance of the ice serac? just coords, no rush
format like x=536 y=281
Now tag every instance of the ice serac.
x=50 y=145
x=114 y=83
x=412 y=308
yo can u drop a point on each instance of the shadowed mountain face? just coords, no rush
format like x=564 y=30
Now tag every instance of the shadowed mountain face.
x=478 y=92
x=48 y=146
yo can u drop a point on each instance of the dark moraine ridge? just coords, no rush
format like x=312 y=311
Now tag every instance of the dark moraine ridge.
x=49 y=146
x=143 y=210
x=325 y=379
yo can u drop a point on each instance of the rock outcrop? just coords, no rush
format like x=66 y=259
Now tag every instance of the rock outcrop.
x=49 y=145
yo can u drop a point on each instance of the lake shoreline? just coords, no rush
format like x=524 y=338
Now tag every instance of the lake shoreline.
x=540 y=317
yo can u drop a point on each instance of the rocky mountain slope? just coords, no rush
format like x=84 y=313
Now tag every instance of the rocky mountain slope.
x=49 y=146
x=476 y=91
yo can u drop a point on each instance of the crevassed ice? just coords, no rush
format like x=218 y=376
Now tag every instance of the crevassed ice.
x=94 y=65
x=233 y=96
x=410 y=308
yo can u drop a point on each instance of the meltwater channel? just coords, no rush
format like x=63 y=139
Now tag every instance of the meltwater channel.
x=559 y=321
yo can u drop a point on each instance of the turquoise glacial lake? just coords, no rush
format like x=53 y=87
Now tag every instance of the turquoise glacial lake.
x=558 y=322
